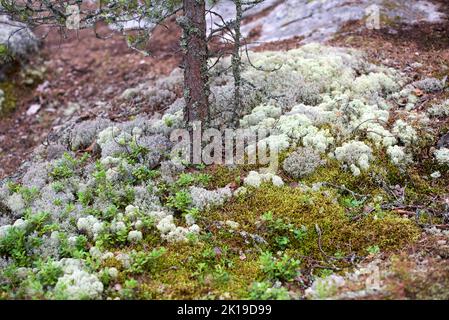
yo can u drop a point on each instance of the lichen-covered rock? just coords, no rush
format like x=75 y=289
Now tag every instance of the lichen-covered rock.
x=158 y=95
x=83 y=135
x=19 y=40
x=323 y=288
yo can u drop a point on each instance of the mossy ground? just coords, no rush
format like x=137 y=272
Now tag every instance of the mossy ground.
x=18 y=84
x=328 y=229
x=318 y=213
x=315 y=227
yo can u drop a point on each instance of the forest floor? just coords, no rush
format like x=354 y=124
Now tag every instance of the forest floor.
x=83 y=75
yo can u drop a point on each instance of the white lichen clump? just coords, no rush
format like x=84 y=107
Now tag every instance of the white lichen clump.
x=331 y=96
x=255 y=179
x=202 y=198
x=173 y=233
x=78 y=285
x=439 y=110
x=90 y=225
x=442 y=156
x=135 y=236
x=398 y=156
x=406 y=133
x=356 y=155
x=429 y=85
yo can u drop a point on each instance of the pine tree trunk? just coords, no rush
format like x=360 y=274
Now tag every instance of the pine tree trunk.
x=196 y=92
x=237 y=61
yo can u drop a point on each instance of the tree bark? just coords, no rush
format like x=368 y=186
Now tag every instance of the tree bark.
x=237 y=61
x=194 y=44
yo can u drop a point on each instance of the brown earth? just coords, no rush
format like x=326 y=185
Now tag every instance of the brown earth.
x=85 y=70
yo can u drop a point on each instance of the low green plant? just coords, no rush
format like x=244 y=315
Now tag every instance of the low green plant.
x=143 y=173
x=48 y=273
x=144 y=261
x=13 y=245
x=66 y=166
x=180 y=201
x=284 y=268
x=129 y=289
x=284 y=234
x=373 y=249
x=136 y=152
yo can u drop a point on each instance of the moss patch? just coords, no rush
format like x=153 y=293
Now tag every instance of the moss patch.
x=9 y=102
x=325 y=223
x=205 y=270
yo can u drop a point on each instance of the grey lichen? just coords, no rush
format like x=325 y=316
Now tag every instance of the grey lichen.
x=302 y=162
x=429 y=85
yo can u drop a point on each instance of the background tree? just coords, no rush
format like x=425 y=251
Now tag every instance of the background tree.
x=230 y=31
x=194 y=45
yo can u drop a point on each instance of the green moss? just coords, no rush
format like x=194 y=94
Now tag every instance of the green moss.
x=222 y=175
x=366 y=183
x=317 y=212
x=199 y=272
x=382 y=175
x=10 y=100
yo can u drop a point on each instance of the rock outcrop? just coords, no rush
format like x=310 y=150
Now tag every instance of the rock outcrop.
x=17 y=42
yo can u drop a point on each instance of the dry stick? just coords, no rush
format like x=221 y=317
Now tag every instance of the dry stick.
x=327 y=257
x=344 y=188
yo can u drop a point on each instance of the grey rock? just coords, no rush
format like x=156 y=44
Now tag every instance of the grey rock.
x=17 y=37
x=19 y=41
x=443 y=142
x=319 y=20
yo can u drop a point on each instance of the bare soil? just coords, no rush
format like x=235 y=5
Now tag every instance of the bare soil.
x=82 y=69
